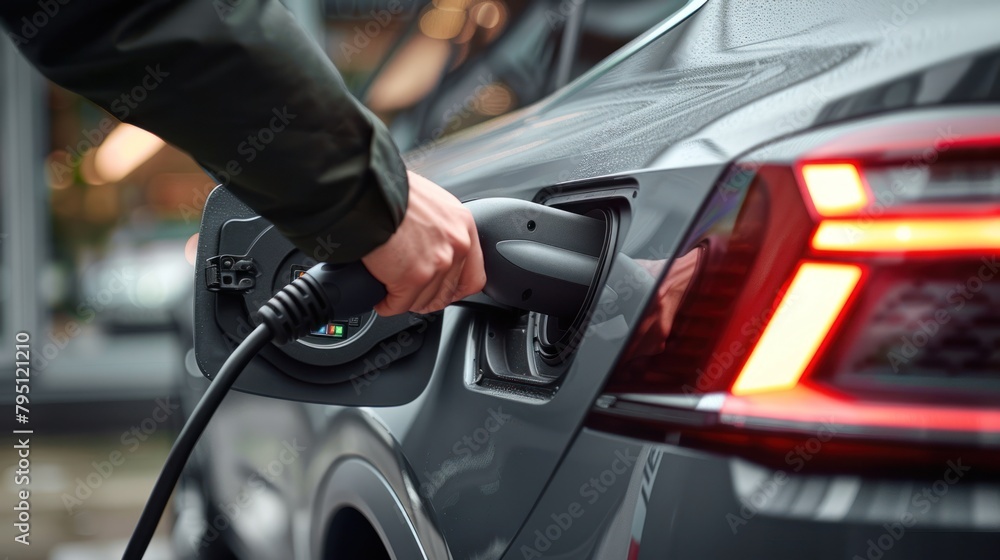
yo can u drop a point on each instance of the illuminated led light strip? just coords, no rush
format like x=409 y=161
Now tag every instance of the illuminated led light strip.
x=836 y=189
x=801 y=322
x=909 y=234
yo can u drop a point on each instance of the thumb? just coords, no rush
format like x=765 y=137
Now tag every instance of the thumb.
x=393 y=304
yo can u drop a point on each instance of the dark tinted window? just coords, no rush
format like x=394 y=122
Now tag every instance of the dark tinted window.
x=432 y=68
x=610 y=24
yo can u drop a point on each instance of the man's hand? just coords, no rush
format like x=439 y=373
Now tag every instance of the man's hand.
x=433 y=259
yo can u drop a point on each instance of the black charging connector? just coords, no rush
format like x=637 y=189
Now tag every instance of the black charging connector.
x=325 y=292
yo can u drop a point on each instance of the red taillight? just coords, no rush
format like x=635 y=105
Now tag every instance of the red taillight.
x=835 y=189
x=850 y=280
x=801 y=322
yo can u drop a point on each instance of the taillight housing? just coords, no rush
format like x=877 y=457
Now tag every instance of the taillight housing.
x=848 y=281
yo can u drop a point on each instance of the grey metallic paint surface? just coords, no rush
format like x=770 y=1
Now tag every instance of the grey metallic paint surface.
x=732 y=77
x=724 y=81
x=484 y=504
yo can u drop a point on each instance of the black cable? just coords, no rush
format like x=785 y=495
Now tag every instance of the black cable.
x=188 y=437
x=310 y=300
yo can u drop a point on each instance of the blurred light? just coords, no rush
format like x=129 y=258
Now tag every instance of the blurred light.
x=410 y=76
x=191 y=249
x=835 y=188
x=494 y=99
x=123 y=151
x=451 y=5
x=87 y=170
x=150 y=291
x=904 y=233
x=807 y=312
x=439 y=23
x=487 y=14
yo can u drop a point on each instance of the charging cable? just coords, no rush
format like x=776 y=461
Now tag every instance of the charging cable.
x=324 y=293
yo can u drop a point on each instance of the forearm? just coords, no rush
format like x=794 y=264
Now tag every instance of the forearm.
x=247 y=94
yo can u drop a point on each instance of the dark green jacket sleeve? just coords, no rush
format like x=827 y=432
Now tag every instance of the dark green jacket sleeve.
x=239 y=86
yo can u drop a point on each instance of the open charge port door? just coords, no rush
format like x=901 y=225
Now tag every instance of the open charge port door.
x=361 y=360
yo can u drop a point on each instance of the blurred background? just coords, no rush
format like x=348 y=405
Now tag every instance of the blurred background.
x=99 y=221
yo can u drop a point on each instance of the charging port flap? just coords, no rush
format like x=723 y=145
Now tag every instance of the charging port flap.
x=361 y=360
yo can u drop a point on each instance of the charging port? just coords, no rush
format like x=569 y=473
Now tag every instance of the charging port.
x=533 y=349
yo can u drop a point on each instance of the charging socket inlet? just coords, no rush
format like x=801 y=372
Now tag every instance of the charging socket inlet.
x=529 y=352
